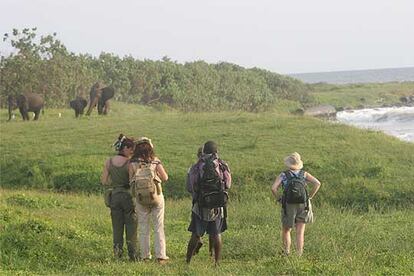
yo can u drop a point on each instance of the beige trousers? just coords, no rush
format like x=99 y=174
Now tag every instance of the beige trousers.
x=156 y=213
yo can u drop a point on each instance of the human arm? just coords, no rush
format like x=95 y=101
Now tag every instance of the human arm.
x=226 y=175
x=187 y=181
x=105 y=179
x=192 y=178
x=227 y=179
x=131 y=171
x=316 y=184
x=275 y=187
x=161 y=171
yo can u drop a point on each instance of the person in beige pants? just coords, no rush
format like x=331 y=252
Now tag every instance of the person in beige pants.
x=156 y=215
x=144 y=152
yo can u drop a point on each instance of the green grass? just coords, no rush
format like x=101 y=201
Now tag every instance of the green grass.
x=74 y=237
x=53 y=220
x=358 y=95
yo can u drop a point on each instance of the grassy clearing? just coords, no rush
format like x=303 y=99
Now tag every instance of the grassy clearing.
x=364 y=210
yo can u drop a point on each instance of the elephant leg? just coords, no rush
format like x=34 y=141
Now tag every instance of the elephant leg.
x=78 y=111
x=25 y=116
x=100 y=107
x=106 y=108
x=37 y=113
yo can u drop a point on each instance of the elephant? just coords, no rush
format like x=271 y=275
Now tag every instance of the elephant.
x=28 y=102
x=100 y=95
x=78 y=105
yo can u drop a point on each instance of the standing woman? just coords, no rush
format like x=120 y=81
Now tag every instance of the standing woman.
x=296 y=209
x=144 y=159
x=124 y=217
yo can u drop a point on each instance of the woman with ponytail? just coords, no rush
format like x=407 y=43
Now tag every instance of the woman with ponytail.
x=123 y=214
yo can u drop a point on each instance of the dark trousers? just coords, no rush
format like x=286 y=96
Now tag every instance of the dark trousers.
x=124 y=218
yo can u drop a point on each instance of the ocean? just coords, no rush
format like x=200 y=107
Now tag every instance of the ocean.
x=395 y=121
x=359 y=76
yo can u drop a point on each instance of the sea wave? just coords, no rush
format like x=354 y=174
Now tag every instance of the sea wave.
x=396 y=121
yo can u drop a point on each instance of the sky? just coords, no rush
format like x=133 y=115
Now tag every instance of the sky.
x=294 y=36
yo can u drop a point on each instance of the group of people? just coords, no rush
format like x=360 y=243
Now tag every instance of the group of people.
x=208 y=180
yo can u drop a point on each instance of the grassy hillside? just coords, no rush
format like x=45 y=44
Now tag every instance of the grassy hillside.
x=364 y=210
x=357 y=95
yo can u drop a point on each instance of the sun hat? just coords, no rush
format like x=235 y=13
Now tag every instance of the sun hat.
x=142 y=140
x=293 y=161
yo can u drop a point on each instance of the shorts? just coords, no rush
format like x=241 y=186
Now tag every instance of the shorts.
x=199 y=226
x=295 y=212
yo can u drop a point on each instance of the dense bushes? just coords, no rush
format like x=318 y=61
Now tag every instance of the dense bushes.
x=45 y=66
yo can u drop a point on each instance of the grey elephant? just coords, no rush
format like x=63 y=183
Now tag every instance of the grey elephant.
x=27 y=102
x=100 y=95
x=78 y=105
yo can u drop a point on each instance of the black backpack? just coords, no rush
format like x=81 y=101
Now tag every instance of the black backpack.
x=210 y=190
x=295 y=190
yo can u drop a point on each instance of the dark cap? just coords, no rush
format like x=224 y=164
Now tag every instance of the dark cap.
x=210 y=147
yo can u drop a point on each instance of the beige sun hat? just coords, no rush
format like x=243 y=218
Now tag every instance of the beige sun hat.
x=293 y=161
x=142 y=140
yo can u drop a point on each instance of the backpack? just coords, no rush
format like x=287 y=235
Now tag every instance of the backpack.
x=209 y=189
x=295 y=190
x=145 y=184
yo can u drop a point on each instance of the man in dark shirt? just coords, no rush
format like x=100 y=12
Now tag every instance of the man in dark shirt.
x=210 y=220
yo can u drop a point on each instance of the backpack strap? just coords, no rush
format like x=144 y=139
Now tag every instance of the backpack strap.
x=289 y=175
x=223 y=167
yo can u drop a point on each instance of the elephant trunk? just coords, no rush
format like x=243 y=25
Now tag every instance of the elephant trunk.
x=92 y=105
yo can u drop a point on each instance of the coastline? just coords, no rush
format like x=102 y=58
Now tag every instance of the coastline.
x=397 y=121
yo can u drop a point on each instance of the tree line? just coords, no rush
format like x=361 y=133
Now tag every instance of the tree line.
x=44 y=65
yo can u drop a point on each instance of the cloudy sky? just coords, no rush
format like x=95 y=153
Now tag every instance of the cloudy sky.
x=282 y=36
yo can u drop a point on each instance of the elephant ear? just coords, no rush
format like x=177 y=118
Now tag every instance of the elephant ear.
x=108 y=92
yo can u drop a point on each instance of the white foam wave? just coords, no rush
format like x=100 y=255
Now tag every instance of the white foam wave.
x=396 y=121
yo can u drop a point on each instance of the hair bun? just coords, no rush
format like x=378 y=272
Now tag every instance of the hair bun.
x=118 y=143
